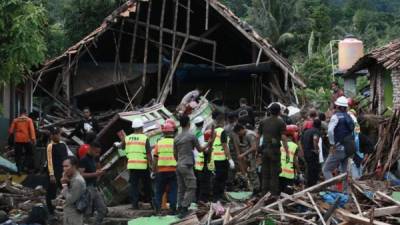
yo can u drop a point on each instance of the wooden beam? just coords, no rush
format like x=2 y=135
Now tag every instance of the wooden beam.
x=176 y=10
x=169 y=31
x=316 y=208
x=204 y=35
x=117 y=48
x=160 y=43
x=207 y=14
x=177 y=49
x=169 y=78
x=146 y=43
x=134 y=37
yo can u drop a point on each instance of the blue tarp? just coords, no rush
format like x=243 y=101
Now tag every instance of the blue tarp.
x=330 y=198
x=7 y=165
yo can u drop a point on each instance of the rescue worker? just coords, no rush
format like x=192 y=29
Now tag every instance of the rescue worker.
x=90 y=170
x=164 y=167
x=198 y=129
x=310 y=142
x=340 y=126
x=24 y=135
x=272 y=129
x=184 y=143
x=248 y=152
x=57 y=152
x=87 y=125
x=221 y=157
x=203 y=171
x=287 y=175
x=138 y=151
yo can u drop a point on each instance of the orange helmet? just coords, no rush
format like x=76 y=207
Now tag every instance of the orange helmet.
x=292 y=131
x=207 y=135
x=168 y=127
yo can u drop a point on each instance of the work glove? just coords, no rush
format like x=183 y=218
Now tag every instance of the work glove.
x=117 y=144
x=152 y=175
x=231 y=164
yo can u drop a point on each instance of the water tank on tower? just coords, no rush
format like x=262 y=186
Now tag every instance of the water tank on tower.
x=350 y=50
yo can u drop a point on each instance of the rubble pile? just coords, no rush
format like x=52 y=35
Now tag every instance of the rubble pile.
x=367 y=202
x=19 y=200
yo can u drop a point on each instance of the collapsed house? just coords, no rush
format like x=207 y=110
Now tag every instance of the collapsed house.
x=149 y=49
x=144 y=57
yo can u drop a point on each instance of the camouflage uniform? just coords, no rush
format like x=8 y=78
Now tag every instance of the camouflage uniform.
x=245 y=144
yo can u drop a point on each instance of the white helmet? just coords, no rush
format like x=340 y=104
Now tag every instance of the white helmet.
x=198 y=120
x=137 y=123
x=342 y=101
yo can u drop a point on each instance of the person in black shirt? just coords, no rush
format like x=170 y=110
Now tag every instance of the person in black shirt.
x=57 y=152
x=245 y=114
x=309 y=141
x=88 y=167
x=86 y=125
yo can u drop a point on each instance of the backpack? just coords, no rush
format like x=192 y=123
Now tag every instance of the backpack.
x=82 y=204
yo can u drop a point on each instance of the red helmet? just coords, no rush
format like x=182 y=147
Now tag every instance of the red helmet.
x=170 y=121
x=351 y=102
x=168 y=127
x=207 y=135
x=292 y=131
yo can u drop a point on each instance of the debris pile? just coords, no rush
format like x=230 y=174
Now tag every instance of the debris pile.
x=19 y=200
x=367 y=202
x=386 y=152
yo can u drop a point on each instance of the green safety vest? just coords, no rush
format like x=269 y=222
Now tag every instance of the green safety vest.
x=288 y=168
x=165 y=148
x=218 y=153
x=135 y=151
x=199 y=162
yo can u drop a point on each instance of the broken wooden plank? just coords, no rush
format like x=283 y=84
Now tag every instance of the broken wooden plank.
x=384 y=211
x=358 y=219
x=316 y=208
x=159 y=72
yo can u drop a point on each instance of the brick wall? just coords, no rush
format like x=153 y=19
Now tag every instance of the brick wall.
x=396 y=88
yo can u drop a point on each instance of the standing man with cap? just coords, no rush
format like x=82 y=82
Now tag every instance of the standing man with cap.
x=340 y=126
x=221 y=157
x=138 y=152
x=24 y=137
x=273 y=131
x=164 y=166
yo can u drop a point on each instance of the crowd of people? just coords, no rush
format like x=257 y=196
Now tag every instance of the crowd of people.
x=200 y=163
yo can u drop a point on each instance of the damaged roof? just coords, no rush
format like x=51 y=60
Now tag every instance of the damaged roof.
x=387 y=56
x=130 y=7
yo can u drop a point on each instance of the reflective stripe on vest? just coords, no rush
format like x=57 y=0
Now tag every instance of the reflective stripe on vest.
x=218 y=153
x=165 y=148
x=287 y=168
x=135 y=150
x=199 y=161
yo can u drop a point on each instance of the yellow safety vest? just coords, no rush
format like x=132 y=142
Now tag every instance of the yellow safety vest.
x=218 y=153
x=165 y=148
x=287 y=168
x=199 y=162
x=135 y=150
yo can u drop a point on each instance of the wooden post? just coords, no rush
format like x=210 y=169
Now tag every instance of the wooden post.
x=174 y=31
x=117 y=47
x=146 y=43
x=134 y=37
x=159 y=72
x=163 y=96
x=207 y=13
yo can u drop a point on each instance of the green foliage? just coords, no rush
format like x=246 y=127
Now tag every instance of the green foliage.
x=22 y=40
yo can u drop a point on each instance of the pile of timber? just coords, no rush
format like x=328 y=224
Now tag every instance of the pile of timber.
x=387 y=150
x=369 y=202
x=19 y=200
